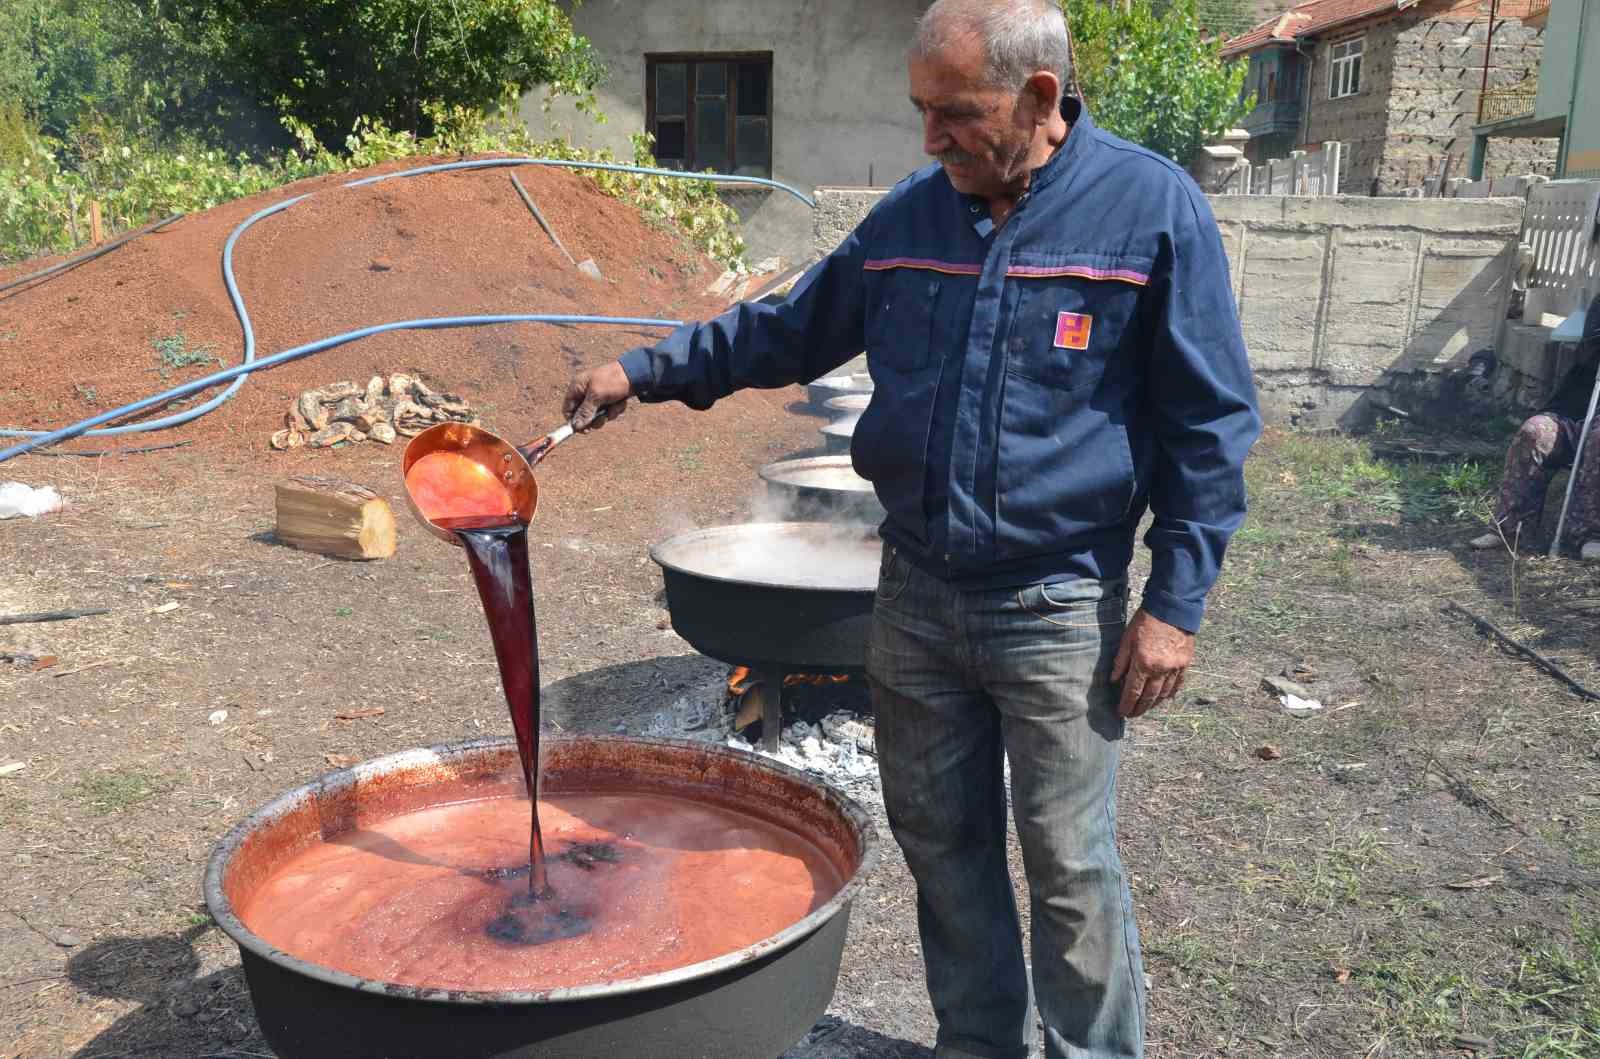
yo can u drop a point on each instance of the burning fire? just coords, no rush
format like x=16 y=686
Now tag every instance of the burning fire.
x=739 y=680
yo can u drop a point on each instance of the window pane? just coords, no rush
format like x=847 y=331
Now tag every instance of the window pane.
x=753 y=79
x=670 y=141
x=672 y=89
x=1355 y=77
x=711 y=134
x=750 y=147
x=711 y=79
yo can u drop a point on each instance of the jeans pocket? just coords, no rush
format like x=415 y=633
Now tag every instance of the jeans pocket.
x=1069 y=607
x=894 y=573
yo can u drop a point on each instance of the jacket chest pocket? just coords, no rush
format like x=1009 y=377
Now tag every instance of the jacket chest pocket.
x=904 y=318
x=1066 y=330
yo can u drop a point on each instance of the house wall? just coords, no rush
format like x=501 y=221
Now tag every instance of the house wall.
x=1420 y=79
x=1349 y=304
x=1434 y=101
x=1583 y=125
x=1361 y=121
x=839 y=108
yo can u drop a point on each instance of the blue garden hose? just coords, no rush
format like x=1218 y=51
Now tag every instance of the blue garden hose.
x=94 y=425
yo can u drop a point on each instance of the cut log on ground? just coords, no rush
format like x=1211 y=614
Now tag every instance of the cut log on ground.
x=331 y=516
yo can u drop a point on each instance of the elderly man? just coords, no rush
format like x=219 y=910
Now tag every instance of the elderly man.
x=1048 y=320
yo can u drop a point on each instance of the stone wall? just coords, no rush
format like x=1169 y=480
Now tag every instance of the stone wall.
x=1433 y=104
x=1349 y=304
x=1420 y=77
x=1361 y=121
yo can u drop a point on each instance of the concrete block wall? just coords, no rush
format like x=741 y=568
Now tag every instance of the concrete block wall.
x=1349 y=304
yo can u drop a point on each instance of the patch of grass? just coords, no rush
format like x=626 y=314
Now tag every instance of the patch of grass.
x=1556 y=995
x=1184 y=951
x=1256 y=535
x=119 y=789
x=90 y=395
x=342 y=612
x=1419 y=997
x=174 y=352
x=1274 y=615
x=1329 y=879
x=1549 y=1004
x=1338 y=469
x=689 y=457
x=433 y=632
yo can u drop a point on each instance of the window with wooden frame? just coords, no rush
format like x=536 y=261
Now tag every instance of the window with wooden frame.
x=1344 y=67
x=711 y=111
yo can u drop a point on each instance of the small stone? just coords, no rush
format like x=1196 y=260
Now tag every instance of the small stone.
x=1268 y=753
x=333 y=435
x=310 y=411
x=620 y=729
x=375 y=390
x=1286 y=687
x=218 y=716
x=590 y=269
x=186 y=1006
x=348 y=410
x=338 y=391
x=1204 y=700
x=402 y=385
x=382 y=433
x=380 y=264
x=291 y=438
x=66 y=939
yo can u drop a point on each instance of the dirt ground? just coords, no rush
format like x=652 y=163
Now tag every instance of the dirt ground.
x=1413 y=870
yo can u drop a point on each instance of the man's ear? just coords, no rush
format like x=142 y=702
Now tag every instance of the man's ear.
x=1041 y=93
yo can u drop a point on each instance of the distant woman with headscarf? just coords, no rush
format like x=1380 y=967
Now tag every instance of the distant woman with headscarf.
x=1544 y=445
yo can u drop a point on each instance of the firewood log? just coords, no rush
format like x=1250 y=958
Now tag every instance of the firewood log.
x=331 y=516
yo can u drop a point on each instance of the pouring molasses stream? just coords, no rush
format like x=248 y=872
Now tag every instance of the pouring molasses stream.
x=477 y=491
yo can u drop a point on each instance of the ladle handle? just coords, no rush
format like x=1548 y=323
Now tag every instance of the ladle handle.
x=535 y=451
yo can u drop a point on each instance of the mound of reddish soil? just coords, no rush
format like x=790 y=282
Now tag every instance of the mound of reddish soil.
x=445 y=244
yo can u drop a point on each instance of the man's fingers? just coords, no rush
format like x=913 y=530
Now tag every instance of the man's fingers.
x=1133 y=685
x=1119 y=668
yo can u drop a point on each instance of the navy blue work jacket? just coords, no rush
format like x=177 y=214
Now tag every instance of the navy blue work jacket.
x=1038 y=385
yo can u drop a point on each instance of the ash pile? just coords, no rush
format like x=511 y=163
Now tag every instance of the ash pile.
x=828 y=730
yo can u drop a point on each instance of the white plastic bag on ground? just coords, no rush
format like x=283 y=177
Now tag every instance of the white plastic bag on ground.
x=18 y=499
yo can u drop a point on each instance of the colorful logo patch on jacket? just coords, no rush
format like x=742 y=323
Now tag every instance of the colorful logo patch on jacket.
x=1072 y=330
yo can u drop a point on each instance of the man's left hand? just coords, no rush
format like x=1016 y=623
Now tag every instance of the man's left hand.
x=1150 y=663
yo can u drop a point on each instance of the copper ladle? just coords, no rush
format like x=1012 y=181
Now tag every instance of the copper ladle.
x=456 y=471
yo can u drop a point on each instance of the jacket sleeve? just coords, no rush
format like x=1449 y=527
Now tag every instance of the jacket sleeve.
x=755 y=344
x=1202 y=414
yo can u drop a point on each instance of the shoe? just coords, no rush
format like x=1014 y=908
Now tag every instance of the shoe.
x=1488 y=540
x=1590 y=552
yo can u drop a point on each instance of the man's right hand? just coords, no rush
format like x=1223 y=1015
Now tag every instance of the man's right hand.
x=604 y=387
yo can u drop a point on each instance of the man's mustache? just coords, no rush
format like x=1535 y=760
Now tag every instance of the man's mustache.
x=956 y=156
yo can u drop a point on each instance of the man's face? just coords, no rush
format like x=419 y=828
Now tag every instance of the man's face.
x=979 y=133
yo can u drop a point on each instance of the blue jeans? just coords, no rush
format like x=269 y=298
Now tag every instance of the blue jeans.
x=962 y=681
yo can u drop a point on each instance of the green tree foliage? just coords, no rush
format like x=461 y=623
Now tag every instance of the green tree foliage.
x=325 y=62
x=227 y=70
x=1155 y=80
x=59 y=58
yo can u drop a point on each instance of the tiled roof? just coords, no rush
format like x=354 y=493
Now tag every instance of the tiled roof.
x=1310 y=19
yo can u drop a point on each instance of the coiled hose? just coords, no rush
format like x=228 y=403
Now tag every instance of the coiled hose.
x=235 y=376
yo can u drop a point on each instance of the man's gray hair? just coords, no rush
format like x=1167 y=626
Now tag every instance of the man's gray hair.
x=1019 y=37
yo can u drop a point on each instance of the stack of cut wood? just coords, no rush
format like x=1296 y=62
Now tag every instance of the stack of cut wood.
x=397 y=406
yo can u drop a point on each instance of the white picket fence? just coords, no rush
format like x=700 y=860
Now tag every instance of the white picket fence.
x=1303 y=173
x=1559 y=227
